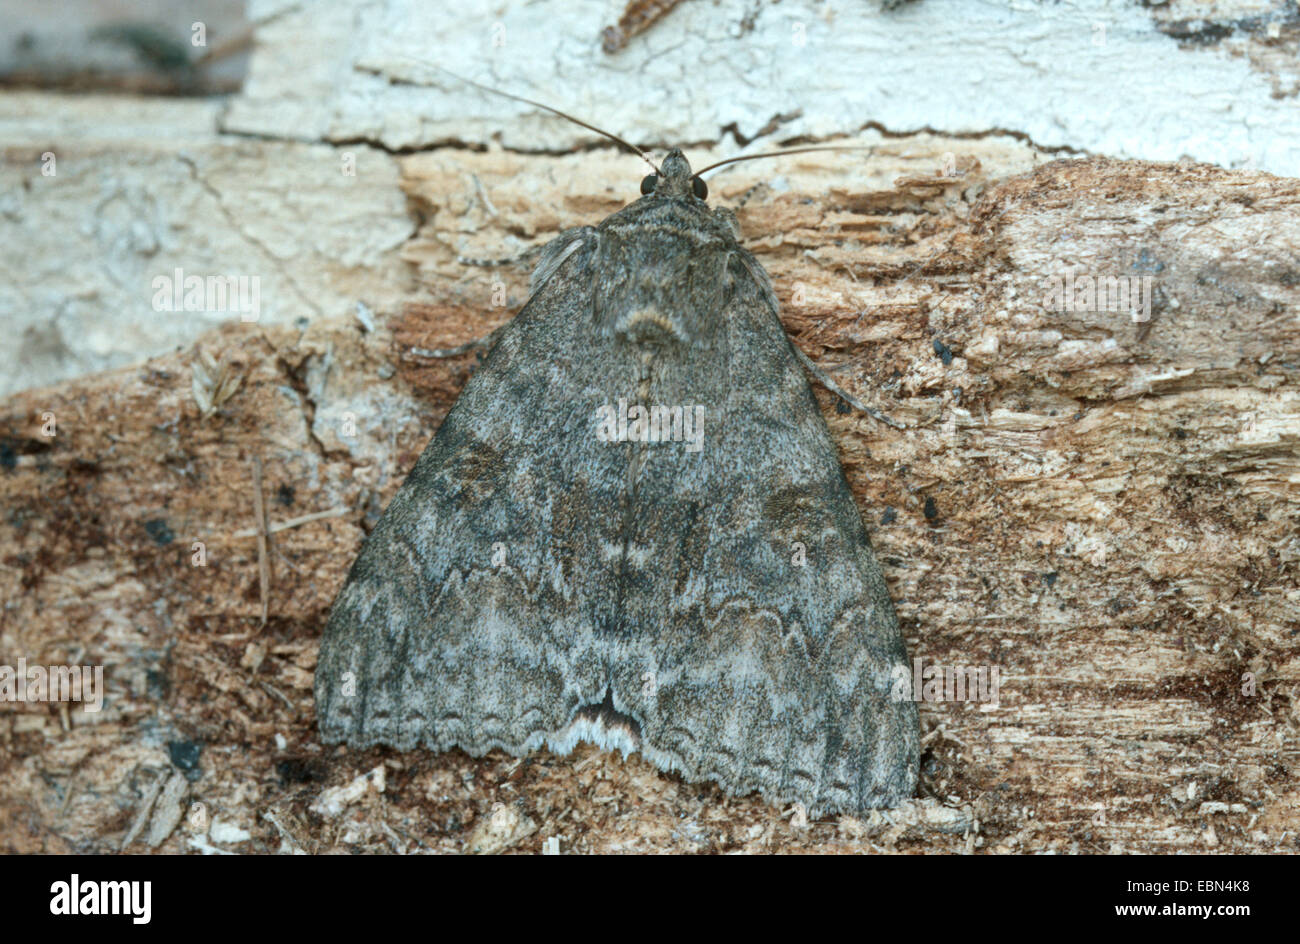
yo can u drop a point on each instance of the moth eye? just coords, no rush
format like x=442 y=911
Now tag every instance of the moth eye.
x=649 y=182
x=699 y=188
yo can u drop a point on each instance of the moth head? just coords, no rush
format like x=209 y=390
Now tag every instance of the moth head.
x=674 y=179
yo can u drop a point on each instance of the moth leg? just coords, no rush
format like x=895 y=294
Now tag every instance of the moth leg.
x=552 y=255
x=826 y=381
x=483 y=343
x=527 y=256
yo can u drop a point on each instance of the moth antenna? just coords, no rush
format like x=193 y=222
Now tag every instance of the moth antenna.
x=554 y=111
x=798 y=150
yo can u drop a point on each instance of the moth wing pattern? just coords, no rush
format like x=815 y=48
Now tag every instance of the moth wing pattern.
x=717 y=608
x=762 y=650
x=469 y=618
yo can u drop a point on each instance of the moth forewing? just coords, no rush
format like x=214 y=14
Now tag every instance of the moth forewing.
x=566 y=563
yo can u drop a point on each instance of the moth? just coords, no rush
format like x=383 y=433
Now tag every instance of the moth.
x=565 y=563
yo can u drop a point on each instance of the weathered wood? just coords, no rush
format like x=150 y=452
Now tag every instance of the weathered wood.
x=102 y=195
x=1089 y=76
x=1104 y=510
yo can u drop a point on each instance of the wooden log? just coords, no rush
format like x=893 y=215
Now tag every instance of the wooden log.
x=1103 y=509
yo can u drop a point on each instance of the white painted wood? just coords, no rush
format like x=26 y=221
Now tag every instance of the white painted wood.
x=143 y=187
x=1095 y=76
